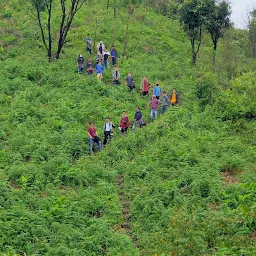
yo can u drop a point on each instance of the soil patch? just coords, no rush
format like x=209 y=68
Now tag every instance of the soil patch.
x=229 y=178
x=125 y=225
x=253 y=235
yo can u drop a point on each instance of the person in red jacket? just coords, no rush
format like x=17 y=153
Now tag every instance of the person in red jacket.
x=145 y=85
x=124 y=123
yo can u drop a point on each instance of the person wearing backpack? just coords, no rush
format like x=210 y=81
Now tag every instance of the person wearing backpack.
x=174 y=97
x=80 y=63
x=138 y=120
x=157 y=90
x=89 y=67
x=108 y=131
x=93 y=137
x=99 y=57
x=165 y=102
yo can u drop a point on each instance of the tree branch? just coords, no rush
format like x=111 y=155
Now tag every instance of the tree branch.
x=49 y=8
x=66 y=21
x=41 y=28
x=199 y=40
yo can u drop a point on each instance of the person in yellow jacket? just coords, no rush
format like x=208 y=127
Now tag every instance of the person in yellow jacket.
x=174 y=99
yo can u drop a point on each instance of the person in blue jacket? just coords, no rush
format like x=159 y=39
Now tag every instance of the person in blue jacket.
x=114 y=55
x=138 y=120
x=157 y=90
x=99 y=70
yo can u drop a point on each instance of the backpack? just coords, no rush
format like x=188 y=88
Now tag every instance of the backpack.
x=80 y=60
x=105 y=56
x=96 y=139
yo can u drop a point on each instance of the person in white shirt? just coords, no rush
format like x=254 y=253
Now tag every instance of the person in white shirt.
x=108 y=131
x=106 y=55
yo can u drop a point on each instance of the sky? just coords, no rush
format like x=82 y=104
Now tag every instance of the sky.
x=240 y=10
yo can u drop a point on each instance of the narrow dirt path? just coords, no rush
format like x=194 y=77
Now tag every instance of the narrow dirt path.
x=126 y=212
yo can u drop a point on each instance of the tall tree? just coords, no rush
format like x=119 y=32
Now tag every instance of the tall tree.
x=217 y=20
x=252 y=33
x=191 y=19
x=68 y=11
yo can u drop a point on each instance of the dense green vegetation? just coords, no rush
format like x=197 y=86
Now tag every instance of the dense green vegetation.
x=187 y=181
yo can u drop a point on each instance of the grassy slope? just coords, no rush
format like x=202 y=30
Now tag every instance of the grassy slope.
x=56 y=200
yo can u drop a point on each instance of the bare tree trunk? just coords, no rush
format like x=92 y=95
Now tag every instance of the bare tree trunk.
x=66 y=22
x=126 y=35
x=115 y=23
x=215 y=42
x=95 y=32
x=107 y=4
x=114 y=8
x=192 y=41
x=49 y=9
x=214 y=55
x=115 y=29
x=63 y=18
x=195 y=52
x=214 y=60
x=130 y=12
x=42 y=31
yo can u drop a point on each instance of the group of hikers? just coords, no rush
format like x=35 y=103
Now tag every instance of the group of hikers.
x=102 y=58
x=109 y=126
x=125 y=122
x=103 y=61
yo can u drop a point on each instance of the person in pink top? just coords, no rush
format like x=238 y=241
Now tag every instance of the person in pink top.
x=154 y=102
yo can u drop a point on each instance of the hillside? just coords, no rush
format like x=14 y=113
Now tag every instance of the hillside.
x=183 y=185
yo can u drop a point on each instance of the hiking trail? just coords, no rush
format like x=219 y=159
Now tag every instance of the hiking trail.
x=125 y=208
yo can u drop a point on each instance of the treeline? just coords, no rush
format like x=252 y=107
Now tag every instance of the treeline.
x=200 y=16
